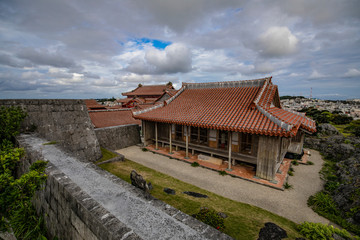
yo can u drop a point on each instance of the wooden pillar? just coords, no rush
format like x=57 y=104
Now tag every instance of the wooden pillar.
x=170 y=136
x=144 y=124
x=156 y=137
x=230 y=144
x=187 y=142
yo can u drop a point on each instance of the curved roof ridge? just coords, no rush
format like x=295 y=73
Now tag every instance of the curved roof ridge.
x=242 y=83
x=147 y=109
x=274 y=119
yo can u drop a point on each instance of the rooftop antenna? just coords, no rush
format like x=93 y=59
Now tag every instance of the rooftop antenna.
x=310 y=93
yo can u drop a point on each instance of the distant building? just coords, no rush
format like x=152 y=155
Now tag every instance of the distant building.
x=149 y=91
x=241 y=120
x=147 y=95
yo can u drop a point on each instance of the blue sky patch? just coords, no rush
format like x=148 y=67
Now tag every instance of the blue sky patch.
x=159 y=44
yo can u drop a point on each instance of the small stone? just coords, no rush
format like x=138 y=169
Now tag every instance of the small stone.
x=221 y=214
x=195 y=194
x=150 y=187
x=169 y=191
x=137 y=180
x=271 y=231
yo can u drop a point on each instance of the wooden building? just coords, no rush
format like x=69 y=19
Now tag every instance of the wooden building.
x=242 y=121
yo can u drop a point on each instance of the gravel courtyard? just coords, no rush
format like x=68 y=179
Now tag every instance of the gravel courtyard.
x=291 y=204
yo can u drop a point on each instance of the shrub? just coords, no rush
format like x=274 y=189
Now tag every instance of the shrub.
x=316 y=231
x=16 y=210
x=195 y=164
x=291 y=173
x=322 y=202
x=10 y=121
x=144 y=149
x=222 y=173
x=211 y=218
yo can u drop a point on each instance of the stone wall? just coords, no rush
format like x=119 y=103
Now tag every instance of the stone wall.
x=82 y=201
x=118 y=137
x=68 y=211
x=65 y=121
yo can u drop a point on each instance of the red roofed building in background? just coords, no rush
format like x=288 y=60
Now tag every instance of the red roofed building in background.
x=149 y=91
x=102 y=119
x=240 y=120
x=142 y=96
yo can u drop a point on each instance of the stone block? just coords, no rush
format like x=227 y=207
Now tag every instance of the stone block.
x=78 y=224
x=89 y=235
x=117 y=229
x=132 y=236
x=54 y=205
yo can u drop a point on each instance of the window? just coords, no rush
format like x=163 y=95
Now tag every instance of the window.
x=194 y=134
x=203 y=138
x=246 y=140
x=223 y=139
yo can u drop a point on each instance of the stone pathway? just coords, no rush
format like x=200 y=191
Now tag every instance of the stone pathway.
x=147 y=218
x=291 y=204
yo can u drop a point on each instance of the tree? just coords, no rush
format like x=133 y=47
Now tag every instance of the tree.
x=16 y=209
x=341 y=119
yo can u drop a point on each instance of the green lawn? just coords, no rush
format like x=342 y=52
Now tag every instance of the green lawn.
x=106 y=155
x=244 y=221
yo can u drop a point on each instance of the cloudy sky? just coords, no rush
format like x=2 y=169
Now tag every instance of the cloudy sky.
x=94 y=49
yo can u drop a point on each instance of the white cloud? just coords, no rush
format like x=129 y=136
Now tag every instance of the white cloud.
x=217 y=61
x=352 y=73
x=174 y=58
x=316 y=75
x=264 y=67
x=31 y=75
x=277 y=42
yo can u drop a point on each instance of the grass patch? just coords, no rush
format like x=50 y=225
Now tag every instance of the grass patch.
x=144 y=149
x=195 y=164
x=288 y=186
x=341 y=129
x=222 y=173
x=310 y=163
x=244 y=221
x=106 y=155
x=50 y=143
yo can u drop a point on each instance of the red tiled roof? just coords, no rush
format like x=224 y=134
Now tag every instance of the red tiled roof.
x=123 y=100
x=112 y=118
x=154 y=90
x=242 y=106
x=93 y=104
